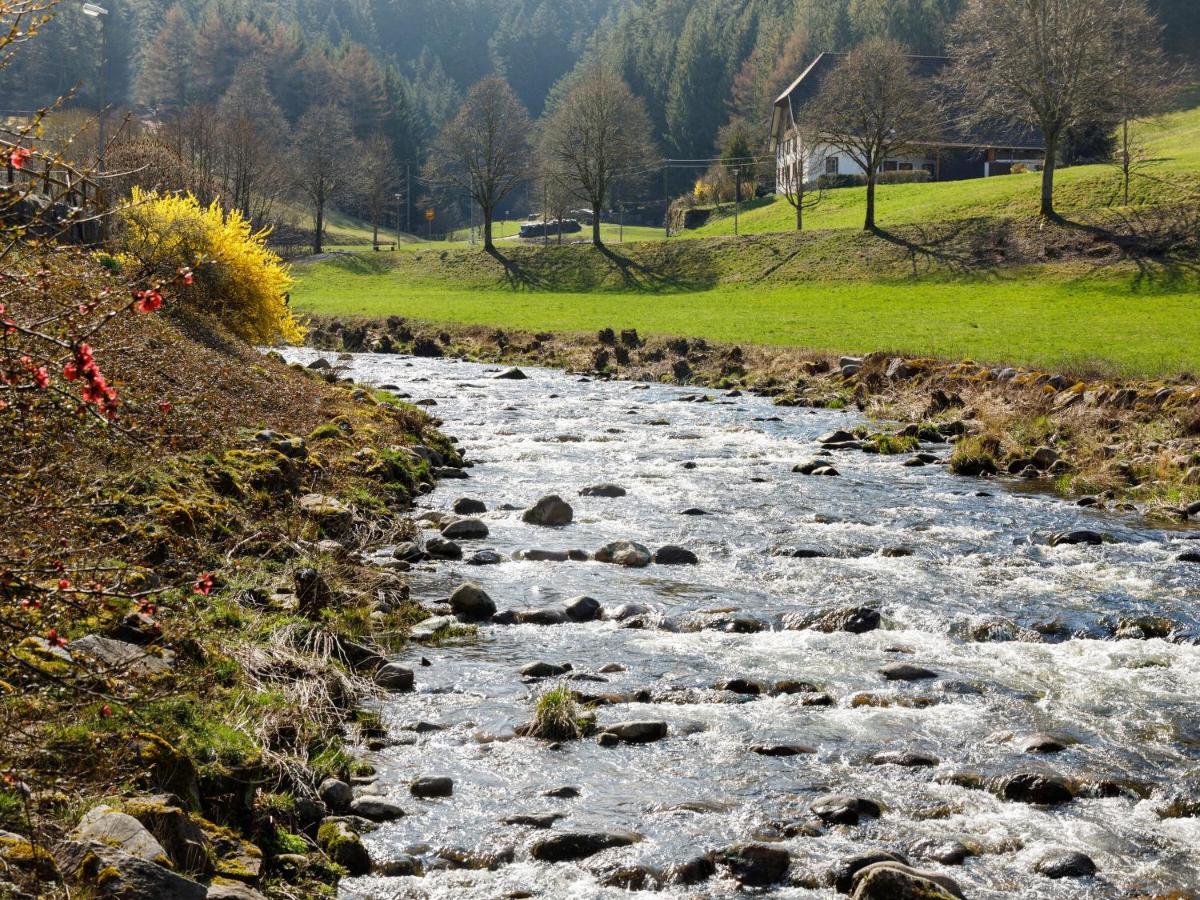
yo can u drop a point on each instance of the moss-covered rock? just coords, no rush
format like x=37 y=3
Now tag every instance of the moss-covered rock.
x=343 y=845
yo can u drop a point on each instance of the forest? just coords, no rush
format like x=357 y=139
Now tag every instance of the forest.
x=706 y=70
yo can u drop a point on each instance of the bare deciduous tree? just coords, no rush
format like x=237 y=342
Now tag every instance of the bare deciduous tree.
x=799 y=189
x=1049 y=64
x=323 y=142
x=871 y=107
x=377 y=181
x=484 y=150
x=1143 y=84
x=252 y=130
x=597 y=135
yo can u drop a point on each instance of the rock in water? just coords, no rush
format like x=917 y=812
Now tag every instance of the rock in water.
x=395 y=677
x=1065 y=864
x=637 y=732
x=336 y=794
x=376 y=809
x=572 y=845
x=675 y=556
x=603 y=490
x=894 y=881
x=550 y=512
x=1034 y=787
x=906 y=672
x=582 y=609
x=630 y=554
x=755 y=865
x=432 y=787
x=465 y=530
x=844 y=809
x=471 y=603
x=468 y=506
x=513 y=374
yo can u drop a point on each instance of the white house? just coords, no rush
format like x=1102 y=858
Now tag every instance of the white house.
x=951 y=156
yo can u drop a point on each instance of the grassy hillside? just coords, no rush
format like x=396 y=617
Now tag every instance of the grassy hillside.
x=982 y=288
x=1173 y=142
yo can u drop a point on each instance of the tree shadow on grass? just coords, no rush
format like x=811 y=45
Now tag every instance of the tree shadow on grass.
x=1162 y=243
x=961 y=248
x=516 y=275
x=669 y=268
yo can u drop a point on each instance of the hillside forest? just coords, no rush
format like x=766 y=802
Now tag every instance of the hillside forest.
x=398 y=70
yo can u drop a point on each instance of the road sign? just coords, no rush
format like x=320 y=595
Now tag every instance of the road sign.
x=429 y=214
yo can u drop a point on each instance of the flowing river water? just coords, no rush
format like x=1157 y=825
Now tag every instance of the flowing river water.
x=1023 y=638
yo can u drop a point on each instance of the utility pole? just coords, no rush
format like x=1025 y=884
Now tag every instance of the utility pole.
x=398 y=220
x=737 y=198
x=666 y=204
x=408 y=197
x=96 y=11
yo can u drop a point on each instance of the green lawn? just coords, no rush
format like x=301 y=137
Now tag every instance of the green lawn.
x=1174 y=144
x=937 y=282
x=1037 y=316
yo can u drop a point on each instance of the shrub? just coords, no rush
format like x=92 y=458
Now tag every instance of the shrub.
x=236 y=277
x=556 y=716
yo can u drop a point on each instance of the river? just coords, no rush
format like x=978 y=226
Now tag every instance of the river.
x=1022 y=639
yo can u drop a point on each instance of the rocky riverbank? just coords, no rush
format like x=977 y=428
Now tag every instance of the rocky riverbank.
x=191 y=731
x=1097 y=440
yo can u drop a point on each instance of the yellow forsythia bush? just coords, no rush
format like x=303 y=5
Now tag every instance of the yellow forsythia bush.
x=237 y=278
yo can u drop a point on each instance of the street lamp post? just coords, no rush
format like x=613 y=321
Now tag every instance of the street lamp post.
x=398 y=219
x=99 y=12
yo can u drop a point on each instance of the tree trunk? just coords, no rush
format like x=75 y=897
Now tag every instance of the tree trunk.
x=1048 y=177
x=319 y=229
x=800 y=211
x=870 y=223
x=1125 y=166
x=375 y=234
x=596 y=226
x=487 y=231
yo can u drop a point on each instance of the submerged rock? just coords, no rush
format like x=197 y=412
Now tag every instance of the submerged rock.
x=465 y=530
x=376 y=809
x=468 y=506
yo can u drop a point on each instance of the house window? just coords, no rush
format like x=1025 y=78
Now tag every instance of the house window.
x=889 y=165
x=906 y=167
x=831 y=165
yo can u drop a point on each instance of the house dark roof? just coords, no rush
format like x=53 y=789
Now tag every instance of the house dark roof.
x=790 y=105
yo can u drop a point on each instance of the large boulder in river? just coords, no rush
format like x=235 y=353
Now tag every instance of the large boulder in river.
x=582 y=609
x=630 y=554
x=471 y=603
x=343 y=845
x=550 y=512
